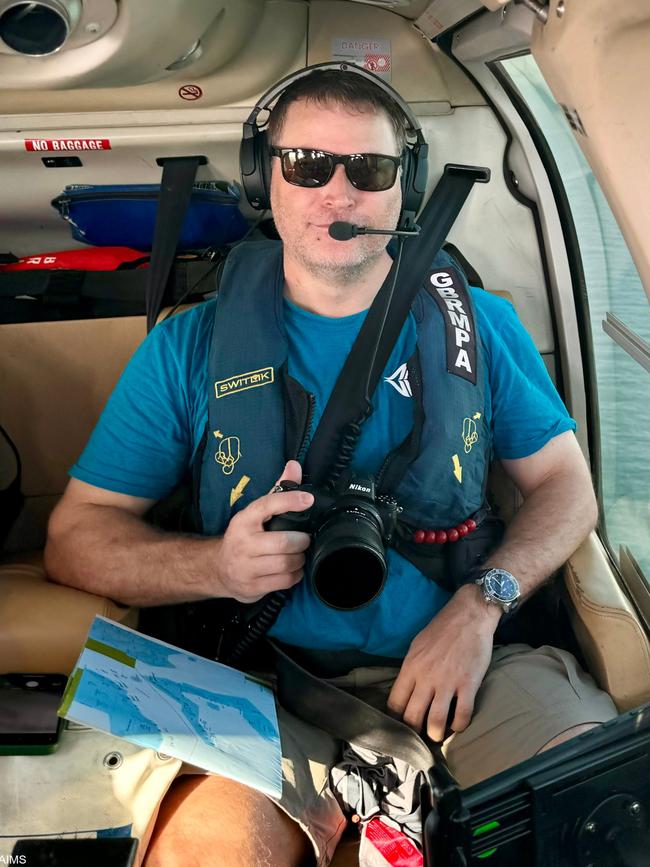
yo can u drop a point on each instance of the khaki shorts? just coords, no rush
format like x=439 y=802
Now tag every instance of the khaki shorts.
x=528 y=697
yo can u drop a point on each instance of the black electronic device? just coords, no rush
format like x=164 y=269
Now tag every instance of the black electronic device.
x=29 y=723
x=584 y=803
x=98 y=852
x=351 y=527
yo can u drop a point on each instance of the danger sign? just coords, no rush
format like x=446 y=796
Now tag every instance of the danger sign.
x=369 y=52
x=67 y=144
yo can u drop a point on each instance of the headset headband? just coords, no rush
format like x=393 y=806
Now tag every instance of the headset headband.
x=266 y=99
x=254 y=152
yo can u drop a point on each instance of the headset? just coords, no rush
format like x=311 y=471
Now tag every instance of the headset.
x=255 y=159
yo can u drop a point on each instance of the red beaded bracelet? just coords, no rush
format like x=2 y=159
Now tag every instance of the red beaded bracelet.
x=439 y=537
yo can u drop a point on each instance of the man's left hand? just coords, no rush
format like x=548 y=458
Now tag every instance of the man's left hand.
x=446 y=660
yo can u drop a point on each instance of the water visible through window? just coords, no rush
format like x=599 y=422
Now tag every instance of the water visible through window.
x=612 y=285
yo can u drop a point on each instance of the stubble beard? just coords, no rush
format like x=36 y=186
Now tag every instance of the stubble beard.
x=342 y=273
x=367 y=249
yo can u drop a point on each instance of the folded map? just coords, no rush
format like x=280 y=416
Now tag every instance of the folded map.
x=159 y=696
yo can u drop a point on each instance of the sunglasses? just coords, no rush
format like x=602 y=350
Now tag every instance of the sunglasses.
x=305 y=167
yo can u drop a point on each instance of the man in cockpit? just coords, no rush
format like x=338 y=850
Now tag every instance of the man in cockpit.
x=337 y=144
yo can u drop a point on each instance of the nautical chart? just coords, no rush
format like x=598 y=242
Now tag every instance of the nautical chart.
x=156 y=695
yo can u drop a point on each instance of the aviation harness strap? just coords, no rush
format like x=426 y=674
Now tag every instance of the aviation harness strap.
x=349 y=402
x=175 y=193
x=300 y=692
x=11 y=496
x=336 y=435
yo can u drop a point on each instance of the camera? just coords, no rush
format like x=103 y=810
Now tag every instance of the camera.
x=350 y=528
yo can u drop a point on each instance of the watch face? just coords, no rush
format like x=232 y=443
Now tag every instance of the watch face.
x=501 y=585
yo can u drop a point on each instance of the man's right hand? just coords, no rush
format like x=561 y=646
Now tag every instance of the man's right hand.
x=253 y=562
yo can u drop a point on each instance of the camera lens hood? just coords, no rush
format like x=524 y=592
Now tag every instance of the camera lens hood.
x=348 y=564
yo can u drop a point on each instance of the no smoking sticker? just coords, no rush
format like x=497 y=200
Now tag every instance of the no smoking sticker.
x=190 y=91
x=377 y=62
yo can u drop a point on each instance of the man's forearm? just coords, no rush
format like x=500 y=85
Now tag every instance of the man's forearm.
x=110 y=552
x=550 y=525
x=552 y=522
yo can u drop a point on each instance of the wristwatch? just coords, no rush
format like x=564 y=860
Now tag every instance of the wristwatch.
x=499 y=586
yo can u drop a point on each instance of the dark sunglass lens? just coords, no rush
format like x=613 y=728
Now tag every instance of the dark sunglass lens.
x=371 y=172
x=307 y=168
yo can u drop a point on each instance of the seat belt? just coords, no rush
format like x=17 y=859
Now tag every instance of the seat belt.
x=348 y=407
x=345 y=716
x=175 y=193
x=11 y=496
x=353 y=721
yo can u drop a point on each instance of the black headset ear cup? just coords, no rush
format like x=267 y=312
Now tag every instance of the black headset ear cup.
x=411 y=198
x=414 y=178
x=263 y=160
x=406 y=174
x=255 y=163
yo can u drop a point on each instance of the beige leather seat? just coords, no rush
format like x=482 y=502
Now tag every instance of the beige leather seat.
x=44 y=625
x=607 y=626
x=56 y=379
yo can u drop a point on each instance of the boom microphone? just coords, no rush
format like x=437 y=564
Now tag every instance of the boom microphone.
x=342 y=231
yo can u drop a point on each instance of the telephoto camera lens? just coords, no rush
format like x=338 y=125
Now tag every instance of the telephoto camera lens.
x=350 y=529
x=348 y=567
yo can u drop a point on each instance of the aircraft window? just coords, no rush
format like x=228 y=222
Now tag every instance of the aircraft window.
x=621 y=353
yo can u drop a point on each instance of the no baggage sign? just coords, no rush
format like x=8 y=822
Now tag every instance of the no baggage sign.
x=67 y=144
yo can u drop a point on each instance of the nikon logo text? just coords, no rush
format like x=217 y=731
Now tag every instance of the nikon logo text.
x=354 y=487
x=242 y=381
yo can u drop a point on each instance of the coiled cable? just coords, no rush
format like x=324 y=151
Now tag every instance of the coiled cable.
x=261 y=622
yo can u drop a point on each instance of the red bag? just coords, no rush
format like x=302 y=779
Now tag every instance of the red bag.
x=384 y=846
x=93 y=259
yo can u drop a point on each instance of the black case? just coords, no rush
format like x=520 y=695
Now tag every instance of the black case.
x=45 y=296
x=585 y=803
x=99 y=852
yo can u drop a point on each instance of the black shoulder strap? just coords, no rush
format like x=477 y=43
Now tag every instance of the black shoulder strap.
x=345 y=716
x=175 y=193
x=473 y=277
x=347 y=407
x=333 y=443
x=11 y=497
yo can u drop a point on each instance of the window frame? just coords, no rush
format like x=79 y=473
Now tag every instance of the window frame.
x=627 y=340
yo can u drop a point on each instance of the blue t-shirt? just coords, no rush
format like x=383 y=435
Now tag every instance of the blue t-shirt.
x=153 y=422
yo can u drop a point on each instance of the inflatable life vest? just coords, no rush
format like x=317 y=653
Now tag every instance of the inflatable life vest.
x=258 y=415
